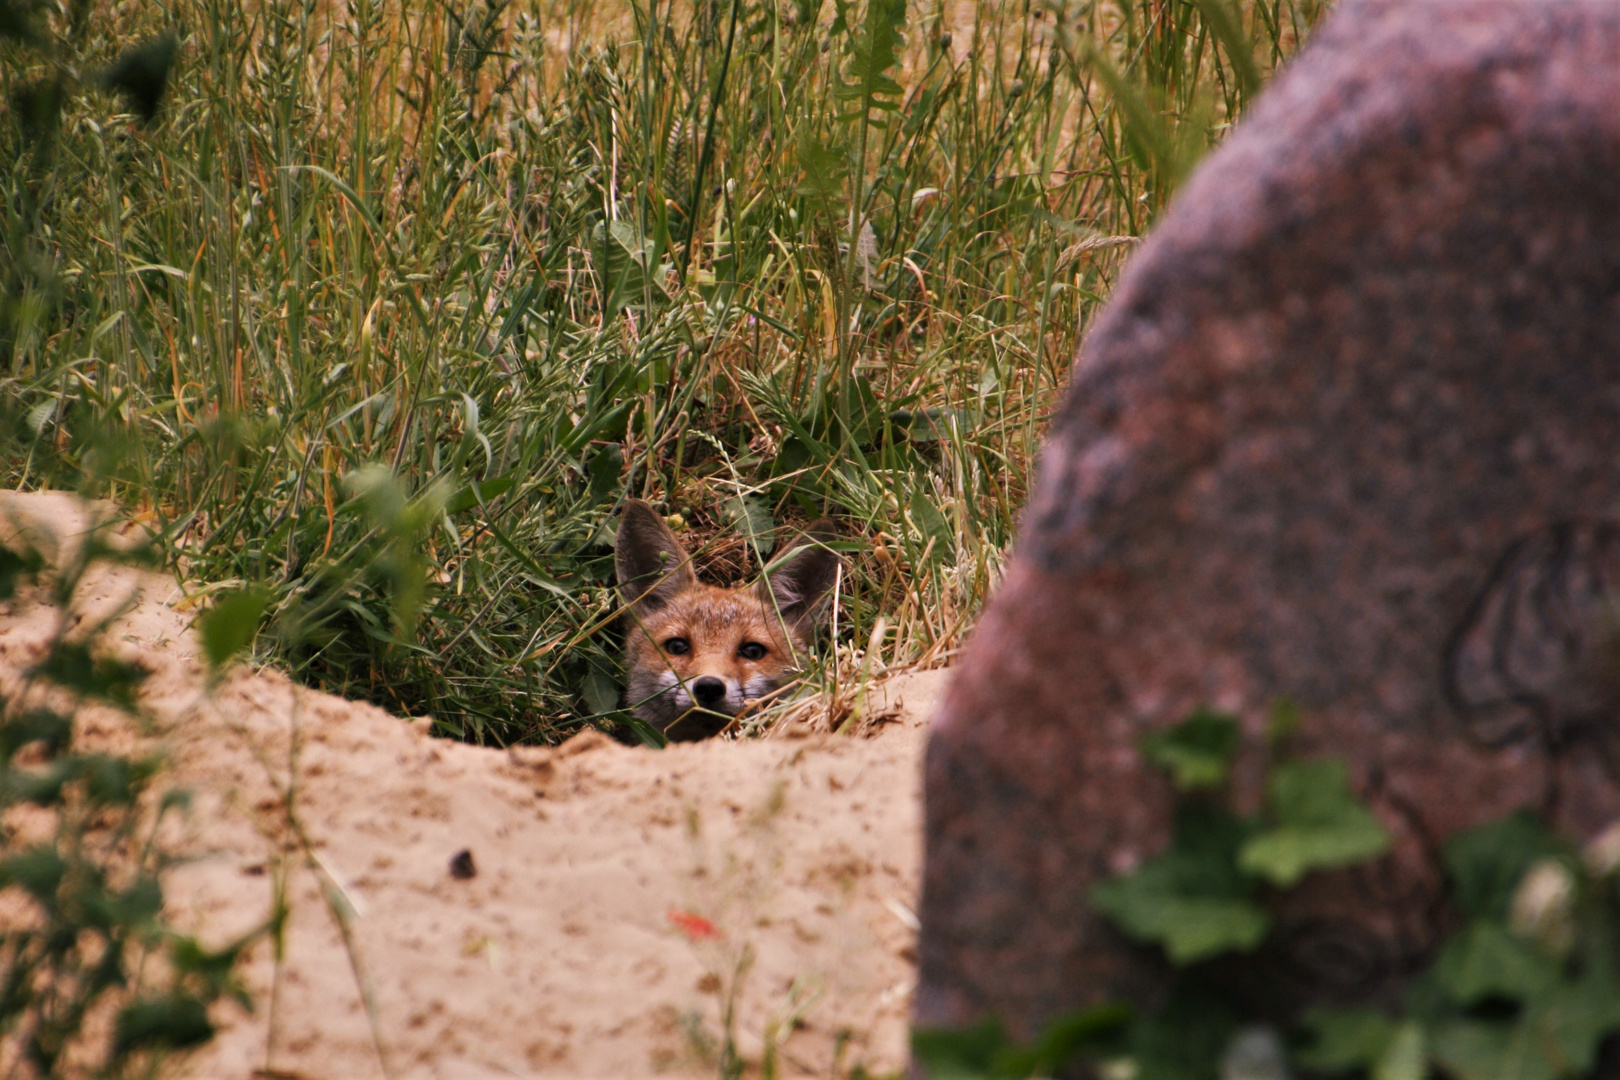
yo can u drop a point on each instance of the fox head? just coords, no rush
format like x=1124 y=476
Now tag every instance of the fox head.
x=698 y=652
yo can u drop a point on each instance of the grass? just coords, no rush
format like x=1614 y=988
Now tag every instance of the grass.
x=393 y=304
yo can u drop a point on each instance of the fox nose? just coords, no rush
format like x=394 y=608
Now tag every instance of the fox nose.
x=708 y=691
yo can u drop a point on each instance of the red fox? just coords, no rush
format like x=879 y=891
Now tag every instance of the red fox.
x=697 y=653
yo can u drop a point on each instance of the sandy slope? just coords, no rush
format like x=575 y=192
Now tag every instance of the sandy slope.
x=560 y=956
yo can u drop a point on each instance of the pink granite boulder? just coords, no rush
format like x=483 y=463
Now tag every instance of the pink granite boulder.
x=1348 y=434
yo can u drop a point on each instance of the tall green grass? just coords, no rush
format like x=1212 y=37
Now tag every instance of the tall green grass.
x=395 y=293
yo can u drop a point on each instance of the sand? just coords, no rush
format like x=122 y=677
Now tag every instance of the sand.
x=619 y=898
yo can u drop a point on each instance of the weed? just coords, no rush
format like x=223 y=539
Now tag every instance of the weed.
x=91 y=976
x=1523 y=984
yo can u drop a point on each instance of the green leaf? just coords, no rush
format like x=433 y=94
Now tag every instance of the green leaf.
x=214 y=969
x=931 y=524
x=113 y=781
x=825 y=168
x=1490 y=1050
x=1405 y=1057
x=1066 y=1038
x=71 y=665
x=1344 y=1039
x=601 y=692
x=1573 y=1020
x=1189 y=928
x=1190 y=900
x=38 y=871
x=479 y=492
x=52 y=729
x=42 y=787
x=643 y=731
x=231 y=624
x=174 y=1020
x=1486 y=961
x=751 y=517
x=1187 y=1039
x=606 y=472
x=134 y=907
x=873 y=51
x=960 y=1053
x=1319 y=824
x=17 y=567
x=1196 y=752
x=141 y=74
x=1487 y=863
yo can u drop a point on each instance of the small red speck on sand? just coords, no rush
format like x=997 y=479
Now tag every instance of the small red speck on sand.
x=695 y=927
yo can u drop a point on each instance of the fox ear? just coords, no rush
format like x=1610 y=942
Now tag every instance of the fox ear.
x=798 y=586
x=651 y=564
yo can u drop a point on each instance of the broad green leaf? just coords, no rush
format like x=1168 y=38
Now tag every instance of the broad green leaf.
x=71 y=664
x=1187 y=1038
x=480 y=491
x=1574 y=1019
x=37 y=871
x=175 y=1020
x=114 y=781
x=1196 y=752
x=873 y=51
x=1189 y=928
x=1067 y=1037
x=1319 y=824
x=825 y=168
x=645 y=732
x=960 y=1053
x=1191 y=900
x=606 y=470
x=931 y=524
x=1345 y=1039
x=45 y=726
x=601 y=692
x=230 y=625
x=141 y=73
x=1485 y=961
x=751 y=517
x=42 y=787
x=1491 y=1050
x=16 y=567
x=1405 y=1057
x=1486 y=864
x=136 y=906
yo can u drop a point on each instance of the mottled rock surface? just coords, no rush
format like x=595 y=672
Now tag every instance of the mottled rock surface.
x=1348 y=434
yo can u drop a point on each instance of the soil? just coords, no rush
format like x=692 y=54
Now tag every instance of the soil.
x=588 y=910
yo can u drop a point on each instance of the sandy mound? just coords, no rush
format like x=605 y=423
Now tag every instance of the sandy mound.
x=620 y=899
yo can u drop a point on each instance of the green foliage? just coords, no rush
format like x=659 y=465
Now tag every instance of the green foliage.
x=808 y=256
x=1527 y=987
x=92 y=891
x=1197 y=752
x=1317 y=824
x=873 y=51
x=1485 y=865
x=1192 y=899
x=231 y=624
x=985 y=1051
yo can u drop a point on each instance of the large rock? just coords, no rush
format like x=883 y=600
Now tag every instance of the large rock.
x=1348 y=434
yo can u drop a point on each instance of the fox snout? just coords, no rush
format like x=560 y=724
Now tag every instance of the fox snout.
x=698 y=654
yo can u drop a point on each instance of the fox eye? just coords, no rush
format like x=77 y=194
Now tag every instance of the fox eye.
x=751 y=650
x=677 y=646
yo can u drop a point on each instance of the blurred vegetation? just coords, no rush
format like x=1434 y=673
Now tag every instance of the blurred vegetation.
x=93 y=979
x=381 y=294
x=1522 y=981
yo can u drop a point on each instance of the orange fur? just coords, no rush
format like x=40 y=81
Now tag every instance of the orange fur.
x=698 y=654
